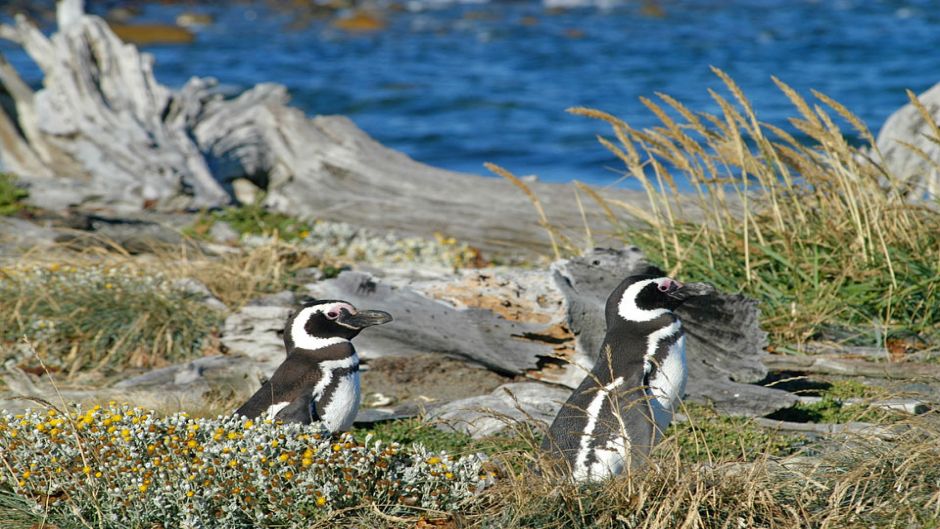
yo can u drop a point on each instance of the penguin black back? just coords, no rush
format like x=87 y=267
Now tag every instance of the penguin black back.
x=319 y=379
x=620 y=409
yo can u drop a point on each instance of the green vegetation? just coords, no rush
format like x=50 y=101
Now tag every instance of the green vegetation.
x=101 y=318
x=252 y=219
x=816 y=230
x=11 y=195
x=709 y=437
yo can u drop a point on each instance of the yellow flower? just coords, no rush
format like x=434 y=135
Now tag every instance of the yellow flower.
x=307 y=462
x=86 y=469
x=282 y=458
x=190 y=494
x=98 y=474
x=27 y=474
x=434 y=460
x=142 y=488
x=249 y=424
x=321 y=501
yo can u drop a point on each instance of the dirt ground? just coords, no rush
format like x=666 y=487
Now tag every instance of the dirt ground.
x=424 y=379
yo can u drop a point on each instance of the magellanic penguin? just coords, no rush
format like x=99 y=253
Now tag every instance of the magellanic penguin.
x=623 y=406
x=319 y=380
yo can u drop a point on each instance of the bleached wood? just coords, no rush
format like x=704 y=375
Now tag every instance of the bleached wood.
x=102 y=131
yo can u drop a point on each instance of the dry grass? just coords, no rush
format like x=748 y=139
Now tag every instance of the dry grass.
x=856 y=482
x=815 y=228
x=106 y=311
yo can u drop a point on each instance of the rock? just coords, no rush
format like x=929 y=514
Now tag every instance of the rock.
x=148 y=34
x=359 y=21
x=223 y=232
x=214 y=384
x=308 y=275
x=197 y=288
x=19 y=235
x=907 y=126
x=194 y=20
x=245 y=191
x=284 y=298
x=256 y=331
x=132 y=233
x=510 y=403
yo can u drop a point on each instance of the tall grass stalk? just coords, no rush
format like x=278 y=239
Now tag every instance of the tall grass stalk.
x=814 y=227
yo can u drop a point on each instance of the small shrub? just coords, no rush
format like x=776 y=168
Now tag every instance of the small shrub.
x=252 y=219
x=95 y=317
x=11 y=195
x=119 y=466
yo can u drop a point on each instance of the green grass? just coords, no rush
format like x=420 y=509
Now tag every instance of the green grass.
x=251 y=219
x=817 y=230
x=101 y=318
x=11 y=195
x=708 y=436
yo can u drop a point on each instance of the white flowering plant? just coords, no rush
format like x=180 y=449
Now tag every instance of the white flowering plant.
x=121 y=466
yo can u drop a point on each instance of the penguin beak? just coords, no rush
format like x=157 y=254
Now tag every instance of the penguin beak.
x=691 y=290
x=363 y=318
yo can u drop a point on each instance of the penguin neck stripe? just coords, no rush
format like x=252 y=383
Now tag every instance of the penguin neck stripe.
x=581 y=467
x=653 y=341
x=628 y=308
x=302 y=339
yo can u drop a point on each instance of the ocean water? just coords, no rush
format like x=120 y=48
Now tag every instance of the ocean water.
x=459 y=84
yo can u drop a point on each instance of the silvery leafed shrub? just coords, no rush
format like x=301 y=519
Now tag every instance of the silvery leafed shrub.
x=127 y=466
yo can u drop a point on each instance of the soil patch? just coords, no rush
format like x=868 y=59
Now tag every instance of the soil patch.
x=423 y=379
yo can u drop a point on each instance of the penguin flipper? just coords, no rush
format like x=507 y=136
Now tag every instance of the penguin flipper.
x=293 y=380
x=300 y=410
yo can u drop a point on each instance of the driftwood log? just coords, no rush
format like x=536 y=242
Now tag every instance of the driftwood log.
x=829 y=365
x=550 y=328
x=103 y=132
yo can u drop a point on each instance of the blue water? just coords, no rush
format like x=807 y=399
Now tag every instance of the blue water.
x=462 y=84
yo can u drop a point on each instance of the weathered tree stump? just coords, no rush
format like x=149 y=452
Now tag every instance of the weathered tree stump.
x=102 y=131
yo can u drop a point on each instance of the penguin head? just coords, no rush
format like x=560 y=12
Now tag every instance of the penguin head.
x=319 y=323
x=642 y=298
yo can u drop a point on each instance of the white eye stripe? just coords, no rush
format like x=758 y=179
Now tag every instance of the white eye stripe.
x=628 y=309
x=304 y=340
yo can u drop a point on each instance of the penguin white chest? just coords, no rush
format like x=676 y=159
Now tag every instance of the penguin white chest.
x=340 y=411
x=667 y=385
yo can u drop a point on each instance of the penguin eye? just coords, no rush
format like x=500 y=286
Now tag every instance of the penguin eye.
x=332 y=314
x=663 y=288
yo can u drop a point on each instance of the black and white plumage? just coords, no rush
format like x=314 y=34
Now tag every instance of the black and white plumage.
x=319 y=380
x=623 y=406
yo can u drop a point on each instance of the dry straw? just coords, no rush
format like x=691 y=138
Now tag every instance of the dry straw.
x=812 y=225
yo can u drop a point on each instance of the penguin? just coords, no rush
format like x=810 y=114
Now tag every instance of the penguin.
x=622 y=407
x=319 y=380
